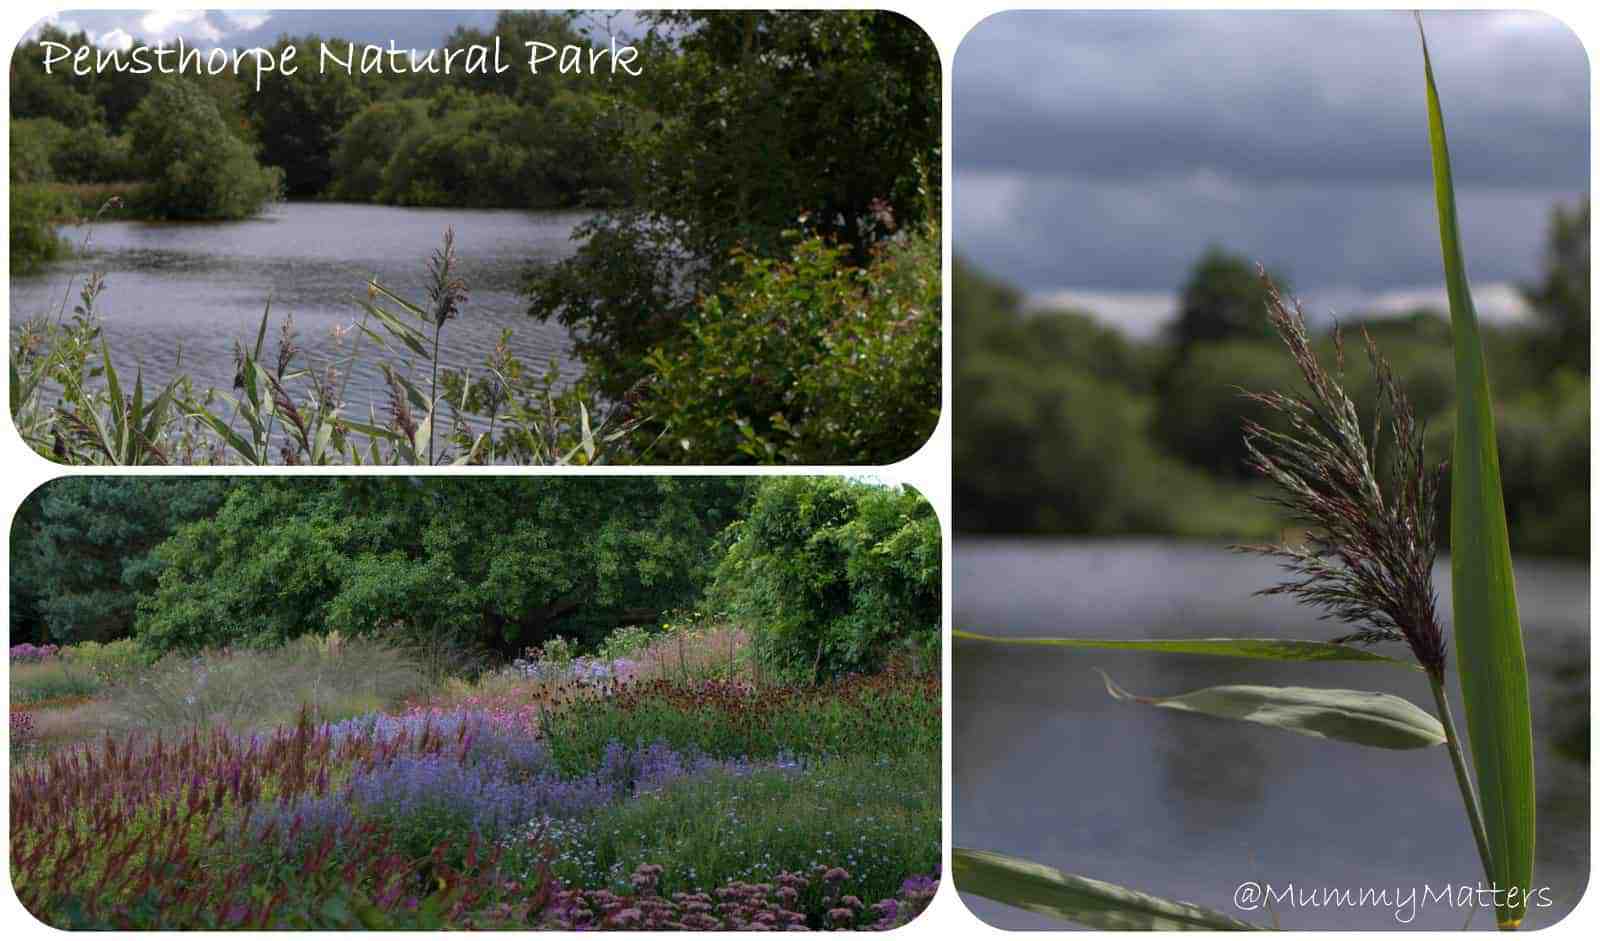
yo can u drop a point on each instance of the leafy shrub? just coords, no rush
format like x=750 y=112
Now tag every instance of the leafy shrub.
x=624 y=642
x=34 y=242
x=112 y=662
x=197 y=167
x=806 y=360
x=832 y=575
x=33 y=146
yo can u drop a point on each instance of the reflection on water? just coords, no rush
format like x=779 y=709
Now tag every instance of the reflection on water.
x=178 y=295
x=1048 y=767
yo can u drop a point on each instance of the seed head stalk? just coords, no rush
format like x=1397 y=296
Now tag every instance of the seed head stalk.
x=1371 y=520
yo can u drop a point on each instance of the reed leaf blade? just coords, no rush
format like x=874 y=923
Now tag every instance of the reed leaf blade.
x=1490 y=657
x=1245 y=648
x=1090 y=902
x=1345 y=715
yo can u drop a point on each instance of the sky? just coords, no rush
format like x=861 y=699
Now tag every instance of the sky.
x=1096 y=155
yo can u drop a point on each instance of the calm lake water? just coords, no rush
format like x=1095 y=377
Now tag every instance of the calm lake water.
x=1049 y=768
x=194 y=288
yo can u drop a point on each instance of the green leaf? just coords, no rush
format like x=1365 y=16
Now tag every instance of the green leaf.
x=1345 y=715
x=1247 y=648
x=1489 y=650
x=1036 y=888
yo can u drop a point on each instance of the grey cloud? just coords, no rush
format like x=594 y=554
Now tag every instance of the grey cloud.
x=1105 y=151
x=1269 y=96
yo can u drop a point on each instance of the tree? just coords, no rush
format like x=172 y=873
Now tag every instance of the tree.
x=298 y=117
x=197 y=168
x=1224 y=299
x=1561 y=297
x=833 y=575
x=493 y=562
x=82 y=550
x=62 y=96
x=764 y=123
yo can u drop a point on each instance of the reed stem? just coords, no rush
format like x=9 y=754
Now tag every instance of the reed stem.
x=1458 y=760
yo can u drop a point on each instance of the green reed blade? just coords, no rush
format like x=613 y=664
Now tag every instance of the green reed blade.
x=1036 y=888
x=1489 y=652
x=1245 y=648
x=1342 y=715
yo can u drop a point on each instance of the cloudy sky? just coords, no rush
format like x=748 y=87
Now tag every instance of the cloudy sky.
x=1097 y=154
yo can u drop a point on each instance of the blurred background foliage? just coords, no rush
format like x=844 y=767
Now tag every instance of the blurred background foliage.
x=1064 y=425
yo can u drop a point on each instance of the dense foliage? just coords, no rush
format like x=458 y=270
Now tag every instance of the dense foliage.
x=806 y=360
x=504 y=140
x=1066 y=426
x=196 y=166
x=81 y=551
x=828 y=576
x=503 y=563
x=767 y=121
x=833 y=575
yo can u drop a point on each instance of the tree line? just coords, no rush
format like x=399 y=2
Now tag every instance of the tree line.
x=1065 y=425
x=833 y=575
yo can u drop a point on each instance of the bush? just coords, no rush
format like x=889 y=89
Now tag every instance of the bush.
x=197 y=168
x=832 y=575
x=111 y=663
x=33 y=233
x=806 y=360
x=33 y=146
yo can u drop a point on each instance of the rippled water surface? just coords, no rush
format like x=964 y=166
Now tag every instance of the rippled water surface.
x=191 y=289
x=1048 y=767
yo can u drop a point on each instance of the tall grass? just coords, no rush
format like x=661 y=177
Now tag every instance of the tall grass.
x=71 y=403
x=333 y=677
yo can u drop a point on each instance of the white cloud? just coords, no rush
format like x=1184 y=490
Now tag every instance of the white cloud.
x=113 y=39
x=169 y=24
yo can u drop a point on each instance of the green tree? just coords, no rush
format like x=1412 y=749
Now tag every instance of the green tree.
x=62 y=95
x=834 y=576
x=367 y=143
x=82 y=550
x=297 y=118
x=764 y=121
x=1224 y=299
x=497 y=562
x=197 y=168
x=1561 y=296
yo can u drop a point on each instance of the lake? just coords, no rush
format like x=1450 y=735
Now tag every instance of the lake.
x=1048 y=767
x=195 y=288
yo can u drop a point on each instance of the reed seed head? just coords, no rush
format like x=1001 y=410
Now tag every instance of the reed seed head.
x=1369 y=553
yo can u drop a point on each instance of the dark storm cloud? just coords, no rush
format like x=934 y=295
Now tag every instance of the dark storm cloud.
x=1106 y=150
